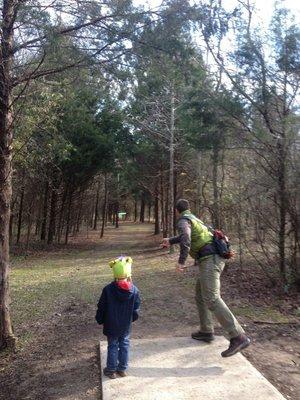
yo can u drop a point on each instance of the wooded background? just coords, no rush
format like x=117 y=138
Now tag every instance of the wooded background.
x=108 y=107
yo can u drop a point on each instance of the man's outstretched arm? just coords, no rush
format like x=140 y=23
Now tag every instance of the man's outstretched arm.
x=184 y=238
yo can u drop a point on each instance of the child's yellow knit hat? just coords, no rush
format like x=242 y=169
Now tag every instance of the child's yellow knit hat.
x=121 y=267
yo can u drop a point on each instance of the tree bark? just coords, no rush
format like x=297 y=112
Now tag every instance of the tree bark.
x=20 y=214
x=174 y=198
x=135 y=209
x=149 y=211
x=61 y=212
x=52 y=218
x=156 y=211
x=282 y=208
x=171 y=168
x=104 y=207
x=199 y=183
x=68 y=216
x=216 y=214
x=79 y=215
x=45 y=212
x=96 y=212
x=162 y=204
x=117 y=214
x=142 y=211
x=7 y=338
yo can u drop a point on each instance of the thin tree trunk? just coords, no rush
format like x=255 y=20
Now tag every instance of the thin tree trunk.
x=156 y=211
x=29 y=224
x=171 y=168
x=79 y=215
x=52 y=218
x=142 y=211
x=61 y=212
x=45 y=212
x=162 y=205
x=149 y=212
x=282 y=209
x=117 y=214
x=174 y=197
x=20 y=214
x=96 y=212
x=104 y=207
x=68 y=216
x=113 y=216
x=199 y=183
x=239 y=219
x=135 y=210
x=216 y=216
x=7 y=338
x=166 y=212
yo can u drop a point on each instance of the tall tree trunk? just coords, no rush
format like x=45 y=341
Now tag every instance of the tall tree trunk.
x=149 y=211
x=282 y=192
x=7 y=338
x=104 y=207
x=171 y=167
x=199 y=183
x=113 y=215
x=142 y=211
x=162 y=204
x=239 y=212
x=52 y=218
x=156 y=211
x=216 y=214
x=96 y=211
x=68 y=216
x=174 y=197
x=29 y=222
x=61 y=212
x=20 y=213
x=135 y=209
x=167 y=212
x=11 y=225
x=45 y=212
x=117 y=214
x=79 y=215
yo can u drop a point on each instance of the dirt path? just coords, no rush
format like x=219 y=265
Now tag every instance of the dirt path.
x=59 y=362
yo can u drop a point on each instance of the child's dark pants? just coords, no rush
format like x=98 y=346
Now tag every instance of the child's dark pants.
x=117 y=353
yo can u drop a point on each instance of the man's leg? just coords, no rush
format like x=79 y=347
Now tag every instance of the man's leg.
x=205 y=317
x=123 y=353
x=210 y=272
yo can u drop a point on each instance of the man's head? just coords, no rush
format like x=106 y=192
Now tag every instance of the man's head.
x=182 y=205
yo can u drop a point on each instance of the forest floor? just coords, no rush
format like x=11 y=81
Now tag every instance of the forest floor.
x=54 y=297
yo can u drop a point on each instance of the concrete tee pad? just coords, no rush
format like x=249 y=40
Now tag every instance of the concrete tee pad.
x=184 y=369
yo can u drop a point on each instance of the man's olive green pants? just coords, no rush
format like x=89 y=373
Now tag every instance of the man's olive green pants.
x=209 y=301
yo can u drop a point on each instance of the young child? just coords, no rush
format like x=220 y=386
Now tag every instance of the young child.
x=117 y=308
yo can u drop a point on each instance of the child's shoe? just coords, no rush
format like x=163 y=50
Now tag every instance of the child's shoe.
x=109 y=374
x=122 y=374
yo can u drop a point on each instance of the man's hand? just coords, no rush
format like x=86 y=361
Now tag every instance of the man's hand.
x=165 y=243
x=181 y=267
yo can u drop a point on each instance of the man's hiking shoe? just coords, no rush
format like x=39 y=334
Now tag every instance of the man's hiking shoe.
x=109 y=374
x=236 y=344
x=203 y=336
x=122 y=374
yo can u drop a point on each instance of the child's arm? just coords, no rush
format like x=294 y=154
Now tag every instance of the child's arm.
x=136 y=307
x=101 y=308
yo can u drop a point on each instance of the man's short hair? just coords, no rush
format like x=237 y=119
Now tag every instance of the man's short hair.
x=182 y=205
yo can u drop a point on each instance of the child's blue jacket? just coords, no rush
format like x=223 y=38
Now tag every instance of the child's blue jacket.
x=117 y=309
